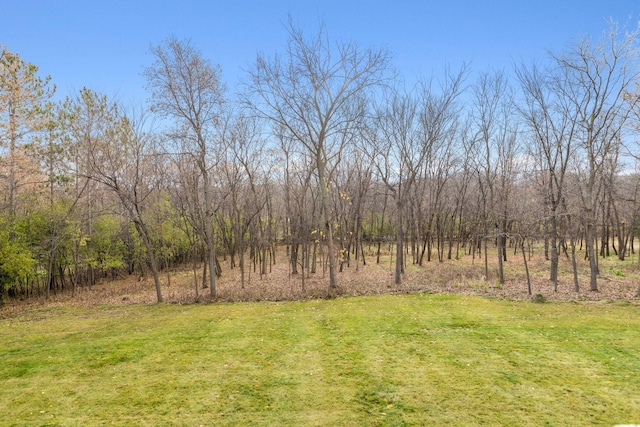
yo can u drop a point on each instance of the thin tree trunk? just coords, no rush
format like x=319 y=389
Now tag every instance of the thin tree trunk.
x=574 y=265
x=501 y=250
x=591 y=238
x=241 y=255
x=526 y=266
x=553 y=244
x=327 y=223
x=195 y=272
x=399 y=244
x=151 y=258
x=205 y=265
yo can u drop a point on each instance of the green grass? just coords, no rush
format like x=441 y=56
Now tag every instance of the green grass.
x=383 y=360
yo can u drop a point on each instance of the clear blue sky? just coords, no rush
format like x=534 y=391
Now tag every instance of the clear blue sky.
x=104 y=44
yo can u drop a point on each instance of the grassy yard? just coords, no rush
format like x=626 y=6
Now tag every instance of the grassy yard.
x=383 y=360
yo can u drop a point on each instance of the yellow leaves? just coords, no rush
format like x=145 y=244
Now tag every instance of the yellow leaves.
x=343 y=254
x=318 y=233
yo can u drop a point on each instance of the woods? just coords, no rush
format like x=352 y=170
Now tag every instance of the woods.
x=323 y=156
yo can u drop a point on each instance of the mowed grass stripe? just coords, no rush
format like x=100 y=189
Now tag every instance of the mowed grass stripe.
x=386 y=360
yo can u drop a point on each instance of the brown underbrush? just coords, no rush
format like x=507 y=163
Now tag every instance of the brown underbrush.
x=618 y=281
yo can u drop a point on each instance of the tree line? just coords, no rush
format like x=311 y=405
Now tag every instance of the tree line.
x=323 y=151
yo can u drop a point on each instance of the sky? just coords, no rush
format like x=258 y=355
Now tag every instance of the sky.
x=104 y=45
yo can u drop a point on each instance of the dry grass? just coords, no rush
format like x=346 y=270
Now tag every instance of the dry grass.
x=618 y=281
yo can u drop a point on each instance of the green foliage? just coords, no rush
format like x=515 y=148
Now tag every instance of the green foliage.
x=383 y=360
x=46 y=228
x=104 y=249
x=371 y=226
x=167 y=230
x=22 y=87
x=16 y=260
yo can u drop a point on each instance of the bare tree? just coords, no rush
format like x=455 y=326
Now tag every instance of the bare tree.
x=316 y=92
x=409 y=129
x=299 y=205
x=186 y=195
x=547 y=118
x=186 y=87
x=496 y=147
x=125 y=162
x=398 y=157
x=438 y=213
x=245 y=179
x=354 y=183
x=633 y=151
x=594 y=79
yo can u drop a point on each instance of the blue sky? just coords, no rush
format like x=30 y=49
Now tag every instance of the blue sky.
x=104 y=45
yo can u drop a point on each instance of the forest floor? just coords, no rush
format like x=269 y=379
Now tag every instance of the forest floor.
x=618 y=280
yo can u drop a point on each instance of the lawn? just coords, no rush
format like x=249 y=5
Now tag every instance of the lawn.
x=419 y=359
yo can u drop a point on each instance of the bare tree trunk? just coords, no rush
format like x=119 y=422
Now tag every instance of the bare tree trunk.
x=327 y=223
x=574 y=264
x=526 y=266
x=208 y=227
x=195 y=271
x=205 y=265
x=486 y=259
x=399 y=244
x=546 y=243
x=553 y=243
x=592 y=256
x=241 y=268
x=501 y=250
x=151 y=257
